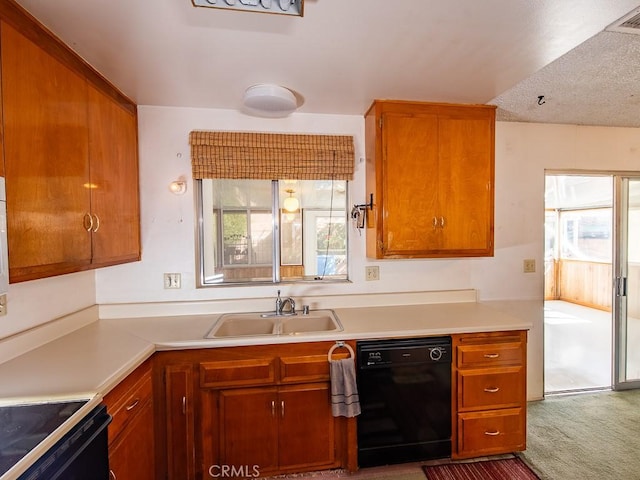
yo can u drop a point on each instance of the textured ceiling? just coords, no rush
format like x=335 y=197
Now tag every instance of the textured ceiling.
x=597 y=83
x=345 y=53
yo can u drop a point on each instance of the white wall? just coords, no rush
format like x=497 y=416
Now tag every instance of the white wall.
x=37 y=302
x=523 y=152
x=168 y=222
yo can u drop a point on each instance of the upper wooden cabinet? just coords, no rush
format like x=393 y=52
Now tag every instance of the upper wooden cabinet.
x=430 y=169
x=113 y=147
x=70 y=154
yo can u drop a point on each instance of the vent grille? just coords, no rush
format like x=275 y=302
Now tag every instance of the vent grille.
x=628 y=24
x=633 y=22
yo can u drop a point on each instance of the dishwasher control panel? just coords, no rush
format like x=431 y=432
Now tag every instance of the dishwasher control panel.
x=385 y=353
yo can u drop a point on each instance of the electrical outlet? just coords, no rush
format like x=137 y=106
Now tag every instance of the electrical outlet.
x=529 y=265
x=172 y=280
x=3 y=304
x=372 y=273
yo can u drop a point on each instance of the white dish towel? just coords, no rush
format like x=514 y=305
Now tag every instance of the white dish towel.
x=345 y=401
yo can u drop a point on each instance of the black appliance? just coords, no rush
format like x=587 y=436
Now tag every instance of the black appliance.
x=81 y=454
x=405 y=397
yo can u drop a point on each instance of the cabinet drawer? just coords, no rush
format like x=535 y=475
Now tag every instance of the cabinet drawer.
x=124 y=406
x=486 y=388
x=490 y=355
x=306 y=368
x=491 y=432
x=237 y=372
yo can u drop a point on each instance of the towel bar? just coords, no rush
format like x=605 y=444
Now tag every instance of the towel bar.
x=340 y=345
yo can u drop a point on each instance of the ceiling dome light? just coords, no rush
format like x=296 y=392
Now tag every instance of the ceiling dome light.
x=266 y=100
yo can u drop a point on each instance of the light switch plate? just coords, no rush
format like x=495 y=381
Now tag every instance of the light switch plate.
x=372 y=273
x=172 y=280
x=529 y=265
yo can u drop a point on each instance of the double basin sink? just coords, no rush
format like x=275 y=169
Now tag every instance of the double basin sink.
x=252 y=324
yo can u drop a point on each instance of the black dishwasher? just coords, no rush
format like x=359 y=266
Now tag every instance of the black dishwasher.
x=405 y=397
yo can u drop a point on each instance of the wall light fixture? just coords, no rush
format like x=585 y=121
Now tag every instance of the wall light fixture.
x=178 y=187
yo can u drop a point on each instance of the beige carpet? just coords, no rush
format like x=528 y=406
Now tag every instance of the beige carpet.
x=594 y=436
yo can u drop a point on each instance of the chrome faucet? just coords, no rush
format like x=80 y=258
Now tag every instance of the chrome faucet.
x=282 y=302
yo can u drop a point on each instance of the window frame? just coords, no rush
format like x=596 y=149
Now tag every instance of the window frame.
x=276 y=257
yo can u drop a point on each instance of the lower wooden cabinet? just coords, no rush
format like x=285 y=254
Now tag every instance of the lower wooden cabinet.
x=249 y=411
x=277 y=429
x=131 y=432
x=178 y=420
x=489 y=395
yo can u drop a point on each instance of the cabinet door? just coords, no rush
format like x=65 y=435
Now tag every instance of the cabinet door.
x=114 y=180
x=180 y=422
x=409 y=174
x=249 y=429
x=307 y=427
x=46 y=160
x=466 y=182
x=132 y=454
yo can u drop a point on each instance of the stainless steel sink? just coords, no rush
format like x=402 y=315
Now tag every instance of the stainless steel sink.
x=261 y=323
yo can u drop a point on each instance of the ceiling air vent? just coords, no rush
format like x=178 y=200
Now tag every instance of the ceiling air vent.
x=630 y=23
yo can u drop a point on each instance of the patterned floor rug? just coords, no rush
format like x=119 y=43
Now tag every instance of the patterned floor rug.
x=505 y=469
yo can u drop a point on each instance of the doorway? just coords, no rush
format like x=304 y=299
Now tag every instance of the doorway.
x=592 y=282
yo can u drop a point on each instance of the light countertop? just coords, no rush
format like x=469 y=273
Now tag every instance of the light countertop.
x=90 y=361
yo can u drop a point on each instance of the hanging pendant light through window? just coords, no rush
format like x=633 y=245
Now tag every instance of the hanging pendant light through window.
x=291 y=203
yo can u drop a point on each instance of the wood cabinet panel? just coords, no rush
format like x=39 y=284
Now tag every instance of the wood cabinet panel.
x=490 y=355
x=179 y=420
x=490 y=394
x=249 y=428
x=114 y=180
x=132 y=455
x=245 y=396
x=128 y=398
x=131 y=431
x=306 y=428
x=308 y=368
x=237 y=372
x=47 y=163
x=430 y=168
x=465 y=191
x=482 y=389
x=70 y=157
x=491 y=432
x=408 y=185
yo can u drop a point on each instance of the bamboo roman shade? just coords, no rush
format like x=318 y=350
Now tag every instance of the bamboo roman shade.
x=271 y=156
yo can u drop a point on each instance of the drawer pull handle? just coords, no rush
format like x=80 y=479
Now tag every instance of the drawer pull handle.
x=273 y=408
x=492 y=390
x=495 y=433
x=491 y=355
x=184 y=405
x=132 y=405
x=112 y=475
x=282 y=408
